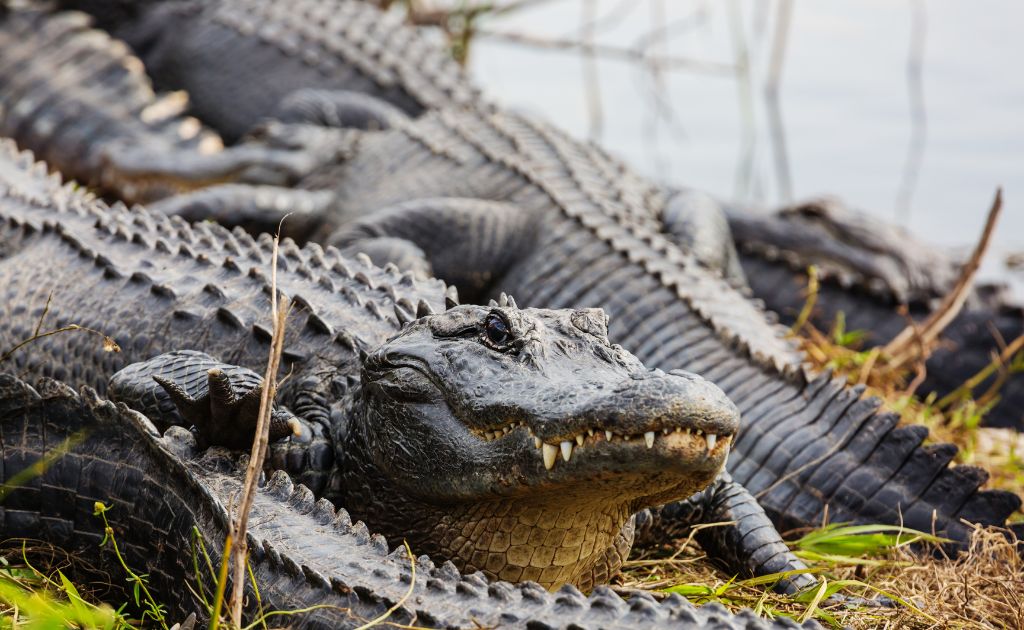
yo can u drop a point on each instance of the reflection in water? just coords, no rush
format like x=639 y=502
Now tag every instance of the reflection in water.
x=918 y=120
x=771 y=101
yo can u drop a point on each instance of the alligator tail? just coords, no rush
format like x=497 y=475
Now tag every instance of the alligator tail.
x=821 y=450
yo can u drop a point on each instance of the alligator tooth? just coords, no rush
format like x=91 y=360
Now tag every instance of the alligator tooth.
x=649 y=439
x=712 y=438
x=590 y=432
x=679 y=429
x=579 y=439
x=566 y=450
x=489 y=435
x=625 y=438
x=608 y=435
x=506 y=430
x=536 y=442
x=686 y=430
x=550 y=453
x=665 y=431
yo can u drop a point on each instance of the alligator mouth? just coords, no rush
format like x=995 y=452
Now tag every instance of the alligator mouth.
x=675 y=437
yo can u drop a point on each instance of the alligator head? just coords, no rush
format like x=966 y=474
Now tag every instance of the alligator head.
x=520 y=442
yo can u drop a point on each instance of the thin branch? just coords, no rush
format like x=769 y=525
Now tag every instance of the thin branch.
x=742 y=182
x=109 y=345
x=279 y=313
x=614 y=17
x=42 y=316
x=1004 y=357
x=668 y=30
x=900 y=348
x=668 y=63
x=656 y=44
x=809 y=302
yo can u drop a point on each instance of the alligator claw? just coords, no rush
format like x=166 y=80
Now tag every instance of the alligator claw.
x=226 y=416
x=188 y=388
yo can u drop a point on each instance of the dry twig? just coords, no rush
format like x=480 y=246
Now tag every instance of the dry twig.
x=901 y=350
x=279 y=313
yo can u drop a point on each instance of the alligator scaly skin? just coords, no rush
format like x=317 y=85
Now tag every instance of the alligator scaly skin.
x=219 y=52
x=302 y=552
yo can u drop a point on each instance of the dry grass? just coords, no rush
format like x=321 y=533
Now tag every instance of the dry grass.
x=981 y=588
x=955 y=418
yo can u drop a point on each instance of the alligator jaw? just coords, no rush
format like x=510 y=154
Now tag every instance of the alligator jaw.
x=677 y=438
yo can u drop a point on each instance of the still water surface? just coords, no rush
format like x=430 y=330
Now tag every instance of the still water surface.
x=846 y=105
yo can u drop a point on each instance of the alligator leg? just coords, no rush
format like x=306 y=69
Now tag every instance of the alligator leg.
x=402 y=253
x=183 y=170
x=698 y=224
x=746 y=543
x=338 y=108
x=188 y=388
x=468 y=242
x=192 y=388
x=258 y=209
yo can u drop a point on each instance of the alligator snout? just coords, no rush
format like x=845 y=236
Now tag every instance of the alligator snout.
x=650 y=410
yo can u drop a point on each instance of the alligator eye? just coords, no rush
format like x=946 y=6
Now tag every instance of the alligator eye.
x=497 y=330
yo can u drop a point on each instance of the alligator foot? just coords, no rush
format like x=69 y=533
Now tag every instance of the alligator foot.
x=338 y=108
x=745 y=543
x=189 y=388
x=257 y=209
x=226 y=415
x=402 y=253
x=698 y=225
x=466 y=242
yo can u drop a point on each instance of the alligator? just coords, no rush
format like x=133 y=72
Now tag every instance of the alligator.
x=867 y=269
x=166 y=503
x=391 y=416
x=523 y=208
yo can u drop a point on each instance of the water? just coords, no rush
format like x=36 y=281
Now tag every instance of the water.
x=844 y=98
